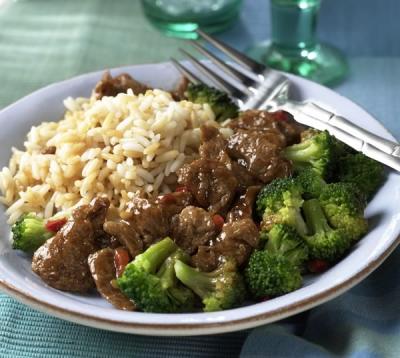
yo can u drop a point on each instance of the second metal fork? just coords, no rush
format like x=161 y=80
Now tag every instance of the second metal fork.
x=264 y=88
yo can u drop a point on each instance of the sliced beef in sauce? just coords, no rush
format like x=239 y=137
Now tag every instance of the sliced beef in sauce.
x=243 y=176
x=49 y=150
x=211 y=183
x=191 y=228
x=102 y=268
x=243 y=208
x=206 y=259
x=173 y=203
x=254 y=151
x=214 y=146
x=111 y=86
x=178 y=94
x=97 y=216
x=62 y=261
x=126 y=234
x=150 y=221
x=280 y=123
x=237 y=240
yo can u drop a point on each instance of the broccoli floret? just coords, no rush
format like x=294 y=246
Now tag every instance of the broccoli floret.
x=219 y=290
x=311 y=182
x=277 y=268
x=325 y=242
x=279 y=203
x=220 y=103
x=366 y=173
x=284 y=240
x=316 y=150
x=29 y=233
x=270 y=274
x=341 y=149
x=151 y=283
x=343 y=203
x=344 y=207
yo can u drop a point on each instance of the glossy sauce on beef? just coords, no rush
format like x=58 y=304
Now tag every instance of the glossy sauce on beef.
x=62 y=260
x=102 y=268
x=111 y=86
x=211 y=183
x=243 y=208
x=237 y=240
x=192 y=228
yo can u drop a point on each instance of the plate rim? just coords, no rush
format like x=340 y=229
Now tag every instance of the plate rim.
x=204 y=328
x=195 y=328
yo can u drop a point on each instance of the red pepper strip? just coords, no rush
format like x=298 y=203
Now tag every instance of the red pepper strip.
x=218 y=221
x=55 y=225
x=280 y=116
x=168 y=199
x=121 y=259
x=182 y=189
x=317 y=266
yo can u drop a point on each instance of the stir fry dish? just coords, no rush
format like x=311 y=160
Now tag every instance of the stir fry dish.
x=177 y=201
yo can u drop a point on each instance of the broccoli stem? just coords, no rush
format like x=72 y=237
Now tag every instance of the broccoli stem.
x=167 y=270
x=199 y=282
x=167 y=273
x=300 y=225
x=35 y=227
x=315 y=217
x=155 y=255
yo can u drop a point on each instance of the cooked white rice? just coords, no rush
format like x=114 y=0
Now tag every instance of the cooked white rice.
x=115 y=147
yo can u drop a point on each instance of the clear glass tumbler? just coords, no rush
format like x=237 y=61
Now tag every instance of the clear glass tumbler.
x=180 y=18
x=294 y=46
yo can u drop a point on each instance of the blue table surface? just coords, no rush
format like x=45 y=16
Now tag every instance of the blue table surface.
x=363 y=322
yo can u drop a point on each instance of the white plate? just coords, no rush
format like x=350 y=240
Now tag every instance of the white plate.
x=17 y=279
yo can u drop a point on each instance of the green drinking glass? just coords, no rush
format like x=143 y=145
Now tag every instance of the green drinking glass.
x=179 y=18
x=294 y=46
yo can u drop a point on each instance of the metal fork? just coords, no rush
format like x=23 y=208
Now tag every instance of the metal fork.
x=264 y=88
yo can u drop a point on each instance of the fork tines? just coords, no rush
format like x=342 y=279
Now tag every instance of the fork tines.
x=245 y=85
x=233 y=53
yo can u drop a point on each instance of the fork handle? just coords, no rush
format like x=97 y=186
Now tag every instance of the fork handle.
x=359 y=144
x=334 y=120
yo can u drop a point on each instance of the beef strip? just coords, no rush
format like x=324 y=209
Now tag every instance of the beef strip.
x=151 y=219
x=126 y=234
x=49 y=150
x=62 y=260
x=111 y=86
x=173 y=203
x=148 y=220
x=191 y=228
x=244 y=206
x=214 y=146
x=255 y=151
x=279 y=124
x=244 y=177
x=212 y=184
x=178 y=94
x=206 y=259
x=102 y=268
x=97 y=216
x=237 y=240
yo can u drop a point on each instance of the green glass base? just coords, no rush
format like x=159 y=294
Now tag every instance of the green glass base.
x=323 y=64
x=186 y=30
